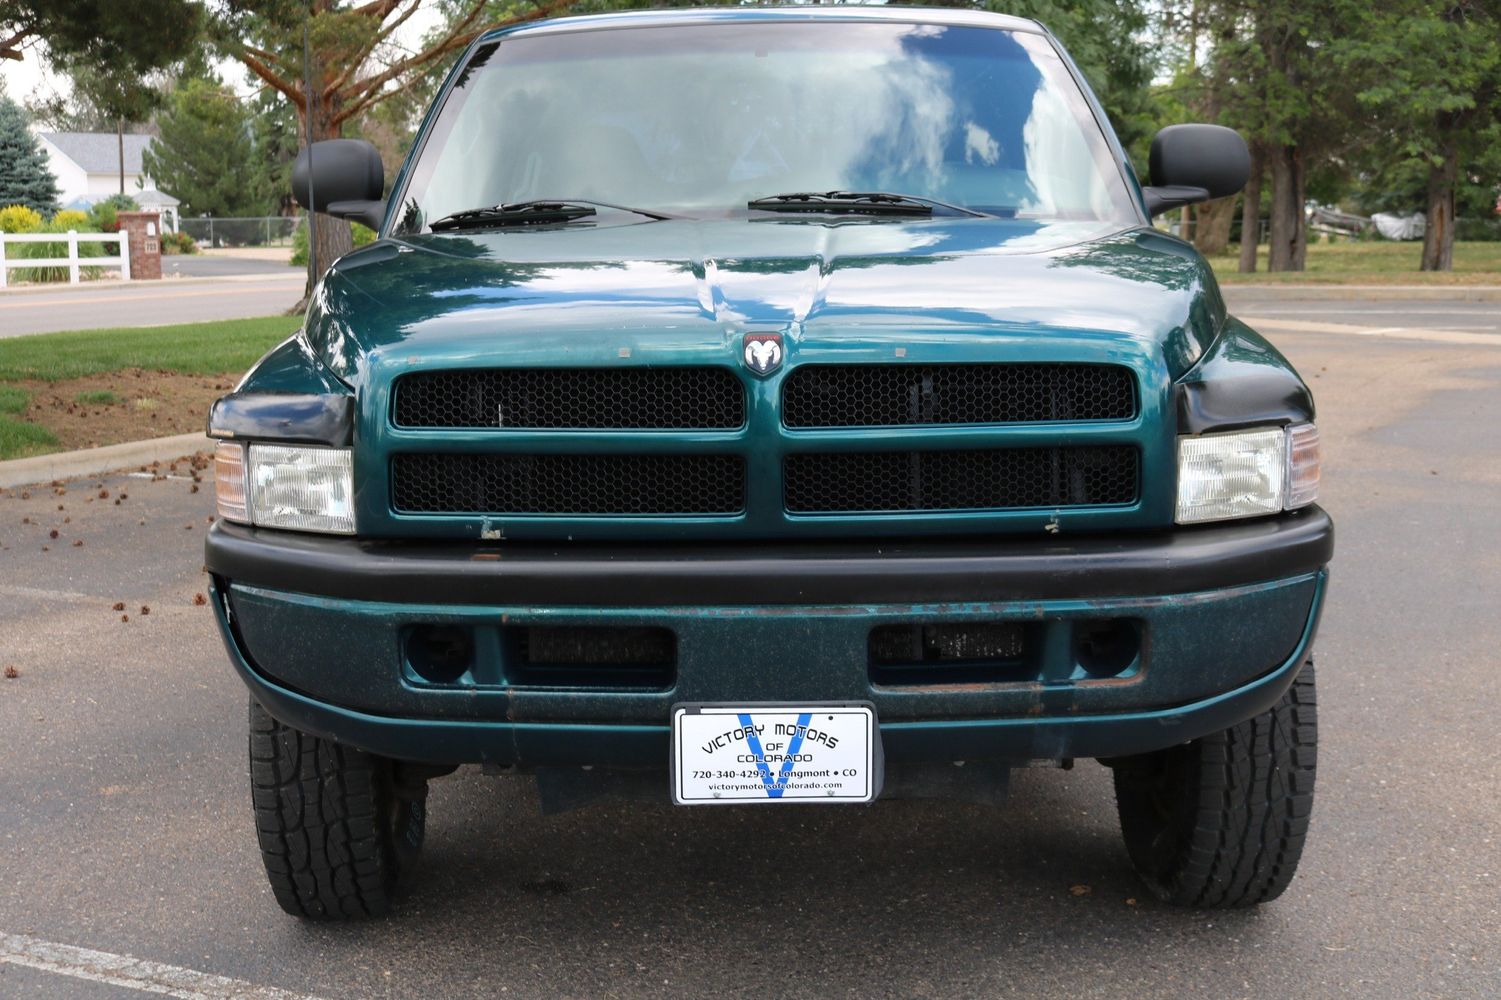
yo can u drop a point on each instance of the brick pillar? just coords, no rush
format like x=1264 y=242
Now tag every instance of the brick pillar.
x=144 y=232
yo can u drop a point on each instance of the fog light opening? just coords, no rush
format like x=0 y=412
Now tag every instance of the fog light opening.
x=440 y=654
x=1107 y=647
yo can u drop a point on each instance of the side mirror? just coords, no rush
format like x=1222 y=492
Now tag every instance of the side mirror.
x=1194 y=163
x=343 y=178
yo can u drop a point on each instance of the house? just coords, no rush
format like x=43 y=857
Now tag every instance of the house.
x=87 y=167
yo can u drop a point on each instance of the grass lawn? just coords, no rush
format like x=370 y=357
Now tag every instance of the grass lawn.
x=95 y=387
x=1383 y=263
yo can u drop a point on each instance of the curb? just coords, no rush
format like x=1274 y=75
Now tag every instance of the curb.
x=97 y=461
x=1362 y=293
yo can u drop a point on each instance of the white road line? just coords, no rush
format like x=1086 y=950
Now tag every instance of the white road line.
x=132 y=973
x=1396 y=332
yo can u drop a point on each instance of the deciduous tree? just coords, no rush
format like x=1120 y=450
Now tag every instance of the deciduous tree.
x=1281 y=89
x=335 y=62
x=1430 y=72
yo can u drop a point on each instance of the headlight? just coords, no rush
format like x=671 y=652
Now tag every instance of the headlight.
x=278 y=486
x=1247 y=473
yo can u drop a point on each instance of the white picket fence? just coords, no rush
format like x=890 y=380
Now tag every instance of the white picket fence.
x=72 y=262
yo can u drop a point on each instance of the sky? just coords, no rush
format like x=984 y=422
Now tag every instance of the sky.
x=23 y=78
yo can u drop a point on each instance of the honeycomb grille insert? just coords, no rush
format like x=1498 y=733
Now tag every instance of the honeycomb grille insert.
x=575 y=485
x=1004 y=479
x=565 y=398
x=908 y=394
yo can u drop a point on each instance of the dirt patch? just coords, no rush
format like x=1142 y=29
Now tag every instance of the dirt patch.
x=128 y=405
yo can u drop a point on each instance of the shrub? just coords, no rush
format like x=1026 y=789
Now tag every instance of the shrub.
x=122 y=203
x=363 y=236
x=178 y=242
x=104 y=218
x=19 y=219
x=71 y=218
x=44 y=251
x=105 y=214
x=1477 y=229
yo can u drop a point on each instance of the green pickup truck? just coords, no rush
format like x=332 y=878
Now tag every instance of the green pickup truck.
x=770 y=407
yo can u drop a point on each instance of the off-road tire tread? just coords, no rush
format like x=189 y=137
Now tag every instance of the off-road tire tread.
x=323 y=818
x=1251 y=789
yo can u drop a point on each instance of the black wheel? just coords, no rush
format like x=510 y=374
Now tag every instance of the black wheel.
x=337 y=829
x=1220 y=822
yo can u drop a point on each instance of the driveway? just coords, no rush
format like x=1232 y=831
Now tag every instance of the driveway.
x=126 y=825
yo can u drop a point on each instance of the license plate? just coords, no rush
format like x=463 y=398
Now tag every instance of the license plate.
x=775 y=753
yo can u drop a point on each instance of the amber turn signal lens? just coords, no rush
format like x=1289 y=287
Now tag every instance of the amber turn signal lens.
x=229 y=481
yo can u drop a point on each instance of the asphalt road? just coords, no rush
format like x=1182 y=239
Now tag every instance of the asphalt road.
x=203 y=265
x=125 y=824
x=150 y=303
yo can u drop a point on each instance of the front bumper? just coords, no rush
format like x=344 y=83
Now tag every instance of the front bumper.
x=1225 y=616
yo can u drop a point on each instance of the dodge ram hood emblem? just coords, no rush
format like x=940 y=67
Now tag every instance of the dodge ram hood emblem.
x=763 y=352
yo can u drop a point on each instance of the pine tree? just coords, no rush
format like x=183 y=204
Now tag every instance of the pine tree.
x=205 y=155
x=25 y=178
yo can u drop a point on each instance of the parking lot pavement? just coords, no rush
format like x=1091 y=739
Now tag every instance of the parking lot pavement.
x=126 y=825
x=148 y=303
x=1457 y=322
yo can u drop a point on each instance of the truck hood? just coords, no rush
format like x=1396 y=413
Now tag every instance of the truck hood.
x=582 y=293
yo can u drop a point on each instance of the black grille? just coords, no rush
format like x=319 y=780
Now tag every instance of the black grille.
x=568 y=484
x=944 y=643
x=585 y=656
x=903 y=395
x=960 y=480
x=584 y=645
x=590 y=398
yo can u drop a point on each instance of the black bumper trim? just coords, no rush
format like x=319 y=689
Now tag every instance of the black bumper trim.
x=544 y=575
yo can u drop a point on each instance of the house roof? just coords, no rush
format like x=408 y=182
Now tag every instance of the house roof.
x=151 y=198
x=99 y=152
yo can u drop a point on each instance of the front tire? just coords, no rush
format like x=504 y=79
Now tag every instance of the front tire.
x=1220 y=822
x=337 y=830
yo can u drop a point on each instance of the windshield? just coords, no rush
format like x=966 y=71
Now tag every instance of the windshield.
x=700 y=119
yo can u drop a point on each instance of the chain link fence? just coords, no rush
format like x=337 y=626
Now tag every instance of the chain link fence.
x=263 y=231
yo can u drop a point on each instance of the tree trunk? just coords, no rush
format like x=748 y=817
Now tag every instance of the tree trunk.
x=1250 y=212
x=328 y=238
x=1289 y=235
x=1438 y=237
x=1212 y=226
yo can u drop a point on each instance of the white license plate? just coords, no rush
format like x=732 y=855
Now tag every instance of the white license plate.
x=774 y=753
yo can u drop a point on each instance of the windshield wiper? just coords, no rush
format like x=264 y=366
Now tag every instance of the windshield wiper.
x=531 y=213
x=857 y=203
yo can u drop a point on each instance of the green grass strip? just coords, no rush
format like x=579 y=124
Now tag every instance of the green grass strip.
x=191 y=348
x=18 y=439
x=1371 y=262
x=13 y=400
